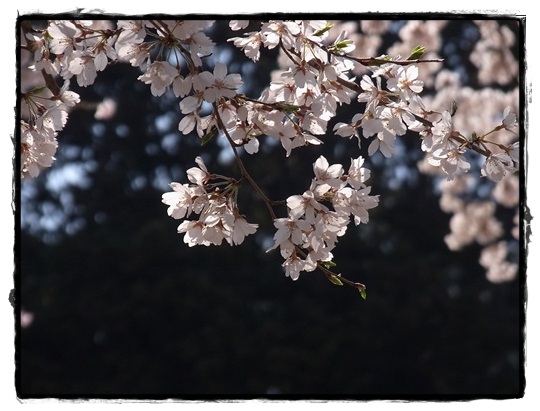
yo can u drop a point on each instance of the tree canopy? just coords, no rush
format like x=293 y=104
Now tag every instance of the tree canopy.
x=121 y=307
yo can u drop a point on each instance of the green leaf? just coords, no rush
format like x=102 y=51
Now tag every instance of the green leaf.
x=329 y=264
x=334 y=279
x=416 y=53
x=362 y=290
x=341 y=45
x=37 y=90
x=208 y=136
x=323 y=30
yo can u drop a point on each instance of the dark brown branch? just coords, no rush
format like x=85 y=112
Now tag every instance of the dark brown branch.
x=375 y=61
x=243 y=169
x=50 y=83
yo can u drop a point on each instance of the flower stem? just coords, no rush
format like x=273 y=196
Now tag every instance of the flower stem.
x=243 y=170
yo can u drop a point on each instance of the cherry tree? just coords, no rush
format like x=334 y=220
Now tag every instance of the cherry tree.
x=468 y=137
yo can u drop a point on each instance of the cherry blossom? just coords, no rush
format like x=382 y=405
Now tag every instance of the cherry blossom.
x=238 y=24
x=317 y=72
x=509 y=119
x=312 y=228
x=451 y=161
x=219 y=217
x=160 y=75
x=373 y=94
x=37 y=151
x=274 y=125
x=493 y=258
x=474 y=222
x=63 y=34
x=83 y=66
x=279 y=30
x=290 y=229
x=67 y=97
x=357 y=175
x=136 y=54
x=250 y=44
x=405 y=82
x=106 y=109
x=497 y=166
x=506 y=191
x=132 y=31
x=294 y=264
x=327 y=176
x=217 y=85
x=179 y=201
x=182 y=85
x=348 y=130
x=240 y=229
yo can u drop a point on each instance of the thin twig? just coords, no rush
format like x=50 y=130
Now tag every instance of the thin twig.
x=243 y=169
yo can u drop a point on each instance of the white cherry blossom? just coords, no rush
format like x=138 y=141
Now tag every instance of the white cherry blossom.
x=37 y=151
x=217 y=85
x=238 y=24
x=305 y=205
x=277 y=31
x=250 y=44
x=83 y=66
x=69 y=98
x=291 y=230
x=293 y=265
x=497 y=165
x=509 y=121
x=405 y=82
x=327 y=175
x=241 y=229
x=182 y=85
x=198 y=175
x=493 y=258
x=450 y=160
x=315 y=76
x=179 y=201
x=135 y=53
x=160 y=75
x=63 y=34
x=373 y=95
x=133 y=31
x=357 y=175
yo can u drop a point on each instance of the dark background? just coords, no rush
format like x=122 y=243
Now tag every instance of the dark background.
x=123 y=308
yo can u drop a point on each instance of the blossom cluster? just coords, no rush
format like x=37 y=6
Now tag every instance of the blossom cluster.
x=219 y=217
x=317 y=74
x=81 y=49
x=46 y=116
x=388 y=113
x=301 y=99
x=475 y=221
x=446 y=148
x=295 y=109
x=309 y=233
